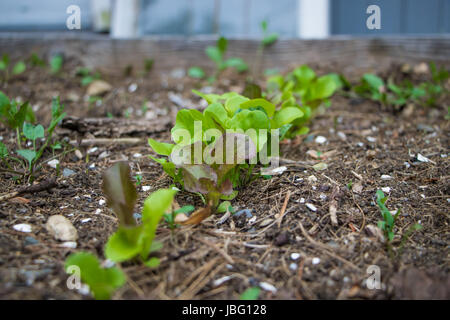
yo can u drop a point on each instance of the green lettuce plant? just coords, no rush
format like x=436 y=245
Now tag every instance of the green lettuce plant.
x=301 y=89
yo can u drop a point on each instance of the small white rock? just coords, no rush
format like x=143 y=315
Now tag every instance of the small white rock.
x=320 y=139
x=53 y=163
x=295 y=256
x=146 y=188
x=323 y=196
x=61 y=228
x=371 y=139
x=407 y=165
x=137 y=155
x=86 y=220
x=22 y=227
x=132 y=87
x=268 y=287
x=293 y=266
x=422 y=158
x=311 y=207
x=386 y=177
x=386 y=189
x=219 y=281
x=92 y=150
x=252 y=220
x=342 y=136
x=98 y=211
x=101 y=202
x=312 y=179
x=315 y=260
x=69 y=244
x=78 y=154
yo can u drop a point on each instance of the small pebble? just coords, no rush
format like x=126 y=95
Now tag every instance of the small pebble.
x=69 y=244
x=386 y=189
x=92 y=150
x=386 y=177
x=98 y=211
x=312 y=179
x=61 y=228
x=101 y=202
x=268 y=287
x=67 y=172
x=295 y=256
x=311 y=207
x=371 y=139
x=293 y=266
x=315 y=260
x=53 y=163
x=320 y=139
x=137 y=155
x=78 y=154
x=86 y=220
x=132 y=87
x=30 y=241
x=342 y=136
x=146 y=188
x=22 y=227
x=422 y=158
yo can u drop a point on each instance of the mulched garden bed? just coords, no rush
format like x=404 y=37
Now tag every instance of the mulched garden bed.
x=306 y=256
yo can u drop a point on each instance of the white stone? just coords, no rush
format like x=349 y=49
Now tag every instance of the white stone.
x=386 y=189
x=53 y=163
x=22 y=227
x=315 y=260
x=69 y=244
x=295 y=256
x=61 y=228
x=320 y=139
x=268 y=287
x=146 y=188
x=311 y=207
x=386 y=177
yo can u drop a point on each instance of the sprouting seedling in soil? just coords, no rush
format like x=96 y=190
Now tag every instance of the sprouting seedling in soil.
x=35 y=61
x=388 y=223
x=14 y=116
x=87 y=75
x=138 y=179
x=56 y=63
x=102 y=282
x=132 y=240
x=170 y=218
x=17 y=69
x=217 y=55
x=303 y=90
x=267 y=40
x=148 y=65
x=33 y=133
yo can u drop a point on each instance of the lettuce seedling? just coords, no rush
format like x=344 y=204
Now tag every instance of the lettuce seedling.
x=56 y=63
x=37 y=132
x=217 y=55
x=303 y=90
x=102 y=282
x=131 y=240
x=87 y=76
x=17 y=69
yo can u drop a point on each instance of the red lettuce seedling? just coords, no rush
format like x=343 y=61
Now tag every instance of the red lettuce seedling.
x=131 y=240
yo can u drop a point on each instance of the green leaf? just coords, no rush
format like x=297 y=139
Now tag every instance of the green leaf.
x=236 y=63
x=252 y=91
x=125 y=243
x=19 y=67
x=222 y=44
x=224 y=207
x=3 y=151
x=270 y=39
x=161 y=148
x=102 y=282
x=217 y=113
x=154 y=208
x=322 y=88
x=56 y=63
x=286 y=116
x=214 y=54
x=33 y=132
x=234 y=103
x=153 y=262
x=29 y=155
x=184 y=209
x=120 y=192
x=185 y=120
x=303 y=75
x=373 y=81
x=250 y=294
x=168 y=167
x=266 y=105
x=196 y=72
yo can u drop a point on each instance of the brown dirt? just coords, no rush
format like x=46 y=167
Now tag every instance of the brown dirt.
x=377 y=143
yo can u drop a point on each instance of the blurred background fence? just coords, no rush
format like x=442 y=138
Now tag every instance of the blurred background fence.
x=232 y=18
